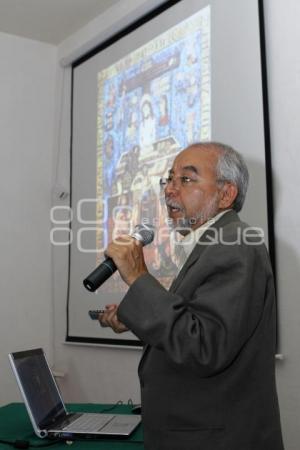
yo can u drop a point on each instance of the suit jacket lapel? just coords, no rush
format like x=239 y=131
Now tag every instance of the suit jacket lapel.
x=208 y=238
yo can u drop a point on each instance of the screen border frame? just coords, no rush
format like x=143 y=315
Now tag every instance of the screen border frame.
x=132 y=343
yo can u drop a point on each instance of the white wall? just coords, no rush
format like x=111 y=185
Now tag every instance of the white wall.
x=283 y=37
x=27 y=81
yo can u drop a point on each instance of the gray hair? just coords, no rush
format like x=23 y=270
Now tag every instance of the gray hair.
x=230 y=167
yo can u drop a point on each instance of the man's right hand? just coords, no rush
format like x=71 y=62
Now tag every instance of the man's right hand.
x=110 y=319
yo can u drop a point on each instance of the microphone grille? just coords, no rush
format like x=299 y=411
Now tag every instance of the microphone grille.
x=144 y=233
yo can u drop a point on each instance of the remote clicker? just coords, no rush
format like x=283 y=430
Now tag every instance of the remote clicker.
x=94 y=313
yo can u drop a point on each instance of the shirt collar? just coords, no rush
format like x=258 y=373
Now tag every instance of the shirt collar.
x=189 y=241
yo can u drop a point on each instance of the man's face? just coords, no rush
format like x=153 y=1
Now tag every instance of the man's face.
x=192 y=193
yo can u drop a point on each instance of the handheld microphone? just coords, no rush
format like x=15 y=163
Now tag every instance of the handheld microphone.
x=142 y=233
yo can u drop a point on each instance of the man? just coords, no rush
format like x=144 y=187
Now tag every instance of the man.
x=207 y=372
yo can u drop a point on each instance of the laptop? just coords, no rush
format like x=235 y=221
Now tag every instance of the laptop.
x=47 y=410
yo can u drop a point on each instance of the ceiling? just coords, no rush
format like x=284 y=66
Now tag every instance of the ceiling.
x=49 y=21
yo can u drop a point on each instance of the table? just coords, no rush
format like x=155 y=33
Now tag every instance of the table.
x=15 y=425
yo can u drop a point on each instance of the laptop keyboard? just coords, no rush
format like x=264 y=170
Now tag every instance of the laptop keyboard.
x=89 y=422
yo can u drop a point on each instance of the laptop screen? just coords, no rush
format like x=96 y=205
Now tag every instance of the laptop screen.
x=38 y=386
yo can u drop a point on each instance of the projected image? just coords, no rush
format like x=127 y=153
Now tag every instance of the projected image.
x=151 y=104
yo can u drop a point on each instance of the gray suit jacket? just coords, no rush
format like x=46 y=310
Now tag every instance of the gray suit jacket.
x=207 y=372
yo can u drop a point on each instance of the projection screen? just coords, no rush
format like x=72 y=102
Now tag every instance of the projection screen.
x=192 y=73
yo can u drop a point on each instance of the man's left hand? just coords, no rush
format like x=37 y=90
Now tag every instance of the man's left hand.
x=109 y=318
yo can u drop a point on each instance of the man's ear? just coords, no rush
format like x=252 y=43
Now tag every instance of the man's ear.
x=228 y=194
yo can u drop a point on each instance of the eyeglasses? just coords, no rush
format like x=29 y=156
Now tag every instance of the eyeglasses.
x=181 y=181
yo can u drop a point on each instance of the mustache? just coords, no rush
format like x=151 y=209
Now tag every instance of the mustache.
x=173 y=204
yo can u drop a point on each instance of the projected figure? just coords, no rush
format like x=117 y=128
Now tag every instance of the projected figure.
x=190 y=126
x=121 y=105
x=110 y=157
x=109 y=124
x=141 y=181
x=132 y=126
x=133 y=156
x=192 y=56
x=148 y=204
x=111 y=98
x=163 y=110
x=147 y=127
x=143 y=196
x=164 y=264
x=122 y=214
x=192 y=91
x=127 y=177
x=116 y=188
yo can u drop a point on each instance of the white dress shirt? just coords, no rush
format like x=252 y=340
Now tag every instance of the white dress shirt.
x=188 y=243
